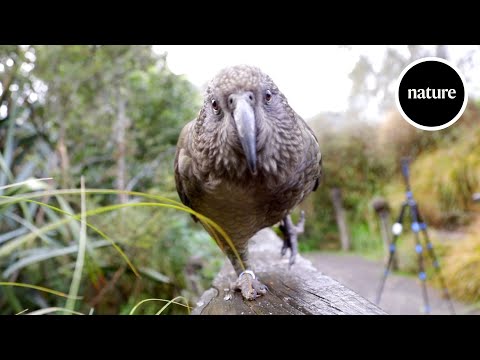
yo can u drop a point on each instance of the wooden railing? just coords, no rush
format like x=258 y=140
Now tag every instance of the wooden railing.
x=302 y=289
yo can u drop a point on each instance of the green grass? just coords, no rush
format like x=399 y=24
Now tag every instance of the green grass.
x=461 y=267
x=82 y=244
x=32 y=256
x=38 y=288
x=365 y=241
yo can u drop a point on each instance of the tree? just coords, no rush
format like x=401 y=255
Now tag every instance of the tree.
x=111 y=114
x=120 y=105
x=376 y=88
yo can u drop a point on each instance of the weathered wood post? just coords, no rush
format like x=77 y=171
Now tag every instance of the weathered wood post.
x=381 y=207
x=297 y=290
x=336 y=195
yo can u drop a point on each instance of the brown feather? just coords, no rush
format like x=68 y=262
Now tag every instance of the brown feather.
x=211 y=172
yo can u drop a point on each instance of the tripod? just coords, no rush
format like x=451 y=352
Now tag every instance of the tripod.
x=418 y=226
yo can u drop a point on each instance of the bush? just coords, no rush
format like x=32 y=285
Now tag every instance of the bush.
x=443 y=182
x=462 y=268
x=165 y=247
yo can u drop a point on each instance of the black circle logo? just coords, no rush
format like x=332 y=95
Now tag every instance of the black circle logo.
x=431 y=94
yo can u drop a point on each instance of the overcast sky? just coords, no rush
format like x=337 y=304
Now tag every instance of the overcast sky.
x=313 y=77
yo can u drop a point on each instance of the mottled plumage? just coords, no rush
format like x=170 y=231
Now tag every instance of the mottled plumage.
x=248 y=159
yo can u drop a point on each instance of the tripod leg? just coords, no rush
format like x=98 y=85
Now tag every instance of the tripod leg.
x=436 y=264
x=388 y=267
x=397 y=230
x=419 y=250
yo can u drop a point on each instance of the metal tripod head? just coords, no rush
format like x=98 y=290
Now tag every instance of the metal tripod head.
x=405 y=161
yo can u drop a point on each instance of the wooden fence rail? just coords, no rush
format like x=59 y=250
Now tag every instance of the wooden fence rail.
x=296 y=291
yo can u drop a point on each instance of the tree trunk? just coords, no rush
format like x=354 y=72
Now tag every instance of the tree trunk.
x=120 y=130
x=6 y=96
x=340 y=217
x=63 y=154
x=386 y=230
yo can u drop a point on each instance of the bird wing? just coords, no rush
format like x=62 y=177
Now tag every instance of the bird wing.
x=314 y=150
x=183 y=164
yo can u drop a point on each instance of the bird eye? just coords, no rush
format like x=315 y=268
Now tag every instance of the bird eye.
x=268 y=96
x=215 y=106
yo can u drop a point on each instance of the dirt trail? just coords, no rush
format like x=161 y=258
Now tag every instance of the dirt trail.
x=401 y=295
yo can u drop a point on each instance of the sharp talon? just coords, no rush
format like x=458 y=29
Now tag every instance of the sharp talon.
x=250 y=287
x=292 y=260
x=290 y=236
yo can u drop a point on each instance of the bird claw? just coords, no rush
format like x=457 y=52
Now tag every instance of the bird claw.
x=290 y=236
x=249 y=286
x=284 y=248
x=292 y=244
x=293 y=257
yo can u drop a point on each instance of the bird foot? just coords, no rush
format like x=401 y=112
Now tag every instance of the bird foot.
x=249 y=285
x=290 y=236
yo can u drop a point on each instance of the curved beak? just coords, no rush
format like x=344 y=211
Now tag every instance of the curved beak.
x=245 y=121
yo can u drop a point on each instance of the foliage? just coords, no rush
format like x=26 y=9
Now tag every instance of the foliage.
x=462 y=267
x=64 y=107
x=112 y=114
x=352 y=163
x=87 y=86
x=444 y=175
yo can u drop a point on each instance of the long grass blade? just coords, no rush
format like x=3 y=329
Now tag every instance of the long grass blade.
x=155 y=275
x=172 y=204
x=12 y=234
x=82 y=245
x=30 y=227
x=163 y=300
x=201 y=217
x=67 y=209
x=52 y=310
x=39 y=288
x=31 y=182
x=5 y=173
x=173 y=301
x=26 y=238
x=45 y=255
x=47 y=193
x=6 y=158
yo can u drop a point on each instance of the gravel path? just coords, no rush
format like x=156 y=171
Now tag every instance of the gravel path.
x=402 y=295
